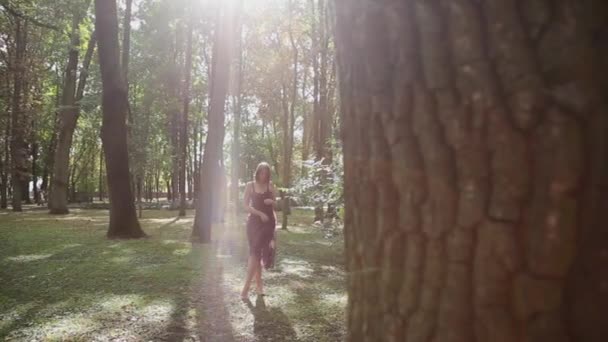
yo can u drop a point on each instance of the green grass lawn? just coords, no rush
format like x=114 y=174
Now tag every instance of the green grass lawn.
x=60 y=279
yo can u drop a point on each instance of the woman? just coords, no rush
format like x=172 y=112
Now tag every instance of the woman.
x=261 y=223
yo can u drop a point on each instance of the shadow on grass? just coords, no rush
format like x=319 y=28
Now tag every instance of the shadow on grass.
x=270 y=324
x=61 y=279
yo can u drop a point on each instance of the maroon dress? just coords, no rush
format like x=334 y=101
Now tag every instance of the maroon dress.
x=259 y=233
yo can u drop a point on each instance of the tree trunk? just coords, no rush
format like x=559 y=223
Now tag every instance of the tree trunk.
x=139 y=188
x=321 y=114
x=126 y=41
x=101 y=174
x=288 y=155
x=235 y=163
x=18 y=146
x=68 y=115
x=222 y=52
x=184 y=119
x=169 y=188
x=315 y=67
x=193 y=180
x=476 y=169
x=175 y=114
x=5 y=167
x=6 y=151
x=123 y=218
x=50 y=154
x=323 y=118
x=37 y=198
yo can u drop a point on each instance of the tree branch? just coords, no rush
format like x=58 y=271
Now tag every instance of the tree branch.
x=16 y=13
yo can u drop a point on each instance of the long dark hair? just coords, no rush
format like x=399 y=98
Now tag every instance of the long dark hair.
x=258 y=170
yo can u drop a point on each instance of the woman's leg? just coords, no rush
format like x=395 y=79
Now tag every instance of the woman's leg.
x=252 y=267
x=259 y=289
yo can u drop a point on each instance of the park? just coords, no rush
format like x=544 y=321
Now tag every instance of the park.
x=304 y=170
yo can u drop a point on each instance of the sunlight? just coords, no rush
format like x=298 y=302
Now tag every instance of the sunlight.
x=181 y=251
x=117 y=302
x=121 y=260
x=156 y=312
x=335 y=299
x=14 y=315
x=60 y=328
x=299 y=268
x=28 y=258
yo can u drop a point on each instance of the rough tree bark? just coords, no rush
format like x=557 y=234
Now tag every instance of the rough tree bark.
x=210 y=168
x=476 y=167
x=123 y=219
x=18 y=146
x=68 y=117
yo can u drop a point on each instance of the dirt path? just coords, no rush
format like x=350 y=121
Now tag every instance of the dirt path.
x=221 y=315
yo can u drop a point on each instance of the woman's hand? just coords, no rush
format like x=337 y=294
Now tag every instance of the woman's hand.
x=264 y=217
x=268 y=201
x=272 y=244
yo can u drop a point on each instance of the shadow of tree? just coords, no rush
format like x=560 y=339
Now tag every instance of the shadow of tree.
x=82 y=273
x=213 y=323
x=270 y=324
x=64 y=269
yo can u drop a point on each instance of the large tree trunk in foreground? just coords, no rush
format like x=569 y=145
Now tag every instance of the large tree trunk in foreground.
x=476 y=169
x=209 y=175
x=123 y=219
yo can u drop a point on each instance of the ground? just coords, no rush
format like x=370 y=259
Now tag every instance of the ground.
x=60 y=279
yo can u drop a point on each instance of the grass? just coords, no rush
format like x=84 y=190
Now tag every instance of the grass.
x=60 y=279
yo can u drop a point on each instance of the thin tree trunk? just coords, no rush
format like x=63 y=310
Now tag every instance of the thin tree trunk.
x=18 y=152
x=123 y=218
x=126 y=41
x=68 y=117
x=475 y=170
x=315 y=67
x=306 y=127
x=175 y=157
x=318 y=90
x=84 y=71
x=6 y=148
x=49 y=159
x=193 y=182
x=37 y=199
x=222 y=52
x=101 y=174
x=139 y=188
x=169 y=188
x=292 y=106
x=189 y=174
x=184 y=118
x=235 y=164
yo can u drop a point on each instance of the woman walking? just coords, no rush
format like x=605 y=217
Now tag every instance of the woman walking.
x=259 y=201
